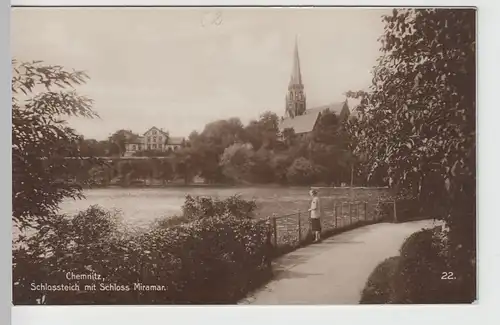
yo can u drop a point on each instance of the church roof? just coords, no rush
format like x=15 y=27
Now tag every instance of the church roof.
x=300 y=124
x=333 y=107
x=305 y=123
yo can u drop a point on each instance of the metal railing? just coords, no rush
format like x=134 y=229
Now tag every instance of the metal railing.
x=293 y=230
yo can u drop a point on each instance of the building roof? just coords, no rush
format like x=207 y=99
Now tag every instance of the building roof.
x=135 y=139
x=157 y=129
x=333 y=107
x=305 y=123
x=300 y=124
x=175 y=140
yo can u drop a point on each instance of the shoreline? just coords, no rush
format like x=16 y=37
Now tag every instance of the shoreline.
x=235 y=186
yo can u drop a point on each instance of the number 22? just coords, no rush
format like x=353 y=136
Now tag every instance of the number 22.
x=447 y=276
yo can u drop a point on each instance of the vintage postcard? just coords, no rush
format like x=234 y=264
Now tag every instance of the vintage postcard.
x=243 y=155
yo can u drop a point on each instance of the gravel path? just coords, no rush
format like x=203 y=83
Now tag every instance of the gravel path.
x=335 y=270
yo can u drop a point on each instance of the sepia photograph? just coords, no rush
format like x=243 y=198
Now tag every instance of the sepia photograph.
x=243 y=155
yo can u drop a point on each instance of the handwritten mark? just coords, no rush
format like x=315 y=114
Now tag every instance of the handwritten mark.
x=211 y=19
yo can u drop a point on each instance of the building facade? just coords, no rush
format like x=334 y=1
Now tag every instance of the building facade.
x=154 y=139
x=297 y=116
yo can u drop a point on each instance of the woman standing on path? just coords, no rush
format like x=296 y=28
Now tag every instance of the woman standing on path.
x=315 y=213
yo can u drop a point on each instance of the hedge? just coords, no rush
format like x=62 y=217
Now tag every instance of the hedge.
x=378 y=288
x=215 y=259
x=420 y=275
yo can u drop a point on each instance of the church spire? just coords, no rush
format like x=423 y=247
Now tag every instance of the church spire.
x=295 y=99
x=296 y=77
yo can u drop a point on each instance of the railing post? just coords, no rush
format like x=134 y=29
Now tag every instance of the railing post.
x=342 y=213
x=275 y=231
x=300 y=228
x=395 y=214
x=357 y=212
x=269 y=244
x=365 y=206
x=350 y=213
x=335 y=214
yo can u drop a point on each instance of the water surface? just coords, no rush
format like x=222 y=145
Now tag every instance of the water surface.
x=141 y=206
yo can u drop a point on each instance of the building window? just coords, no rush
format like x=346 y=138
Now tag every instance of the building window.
x=159 y=139
x=134 y=147
x=154 y=139
x=154 y=132
x=149 y=139
x=154 y=146
x=149 y=146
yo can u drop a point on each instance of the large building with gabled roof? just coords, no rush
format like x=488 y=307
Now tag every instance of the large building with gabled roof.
x=297 y=116
x=154 y=139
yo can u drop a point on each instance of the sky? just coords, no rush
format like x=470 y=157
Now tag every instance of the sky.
x=181 y=68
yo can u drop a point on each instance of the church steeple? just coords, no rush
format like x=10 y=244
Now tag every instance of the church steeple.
x=296 y=77
x=295 y=99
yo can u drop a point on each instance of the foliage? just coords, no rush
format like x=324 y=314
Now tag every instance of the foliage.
x=41 y=140
x=416 y=126
x=118 y=142
x=207 y=207
x=226 y=152
x=302 y=172
x=236 y=161
x=378 y=289
x=420 y=275
x=151 y=153
x=215 y=259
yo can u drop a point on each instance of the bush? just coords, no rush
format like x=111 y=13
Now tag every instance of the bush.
x=203 y=207
x=210 y=260
x=302 y=172
x=378 y=289
x=416 y=276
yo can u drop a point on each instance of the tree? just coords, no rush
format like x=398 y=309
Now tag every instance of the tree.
x=237 y=161
x=303 y=172
x=93 y=148
x=186 y=163
x=289 y=137
x=166 y=170
x=417 y=123
x=263 y=132
x=41 y=140
x=118 y=141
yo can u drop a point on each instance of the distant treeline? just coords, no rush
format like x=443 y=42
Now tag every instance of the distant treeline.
x=227 y=152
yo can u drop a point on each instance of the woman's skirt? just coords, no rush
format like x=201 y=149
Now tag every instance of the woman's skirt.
x=315 y=224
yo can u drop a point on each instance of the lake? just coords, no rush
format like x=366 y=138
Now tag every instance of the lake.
x=141 y=206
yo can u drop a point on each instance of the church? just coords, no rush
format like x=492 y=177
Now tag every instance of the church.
x=297 y=116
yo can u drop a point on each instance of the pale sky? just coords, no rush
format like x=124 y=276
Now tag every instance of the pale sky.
x=178 y=69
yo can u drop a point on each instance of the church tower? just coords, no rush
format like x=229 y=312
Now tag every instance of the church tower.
x=295 y=98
